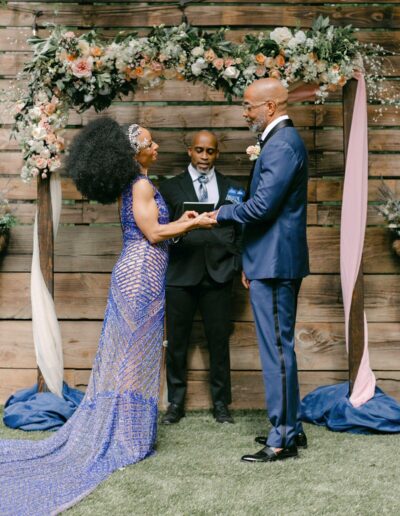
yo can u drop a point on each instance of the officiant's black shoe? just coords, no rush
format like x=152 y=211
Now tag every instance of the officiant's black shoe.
x=221 y=413
x=300 y=440
x=267 y=454
x=173 y=415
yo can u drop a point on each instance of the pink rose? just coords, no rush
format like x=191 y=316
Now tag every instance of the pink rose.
x=49 y=109
x=82 y=67
x=156 y=67
x=69 y=34
x=260 y=71
x=40 y=162
x=229 y=62
x=218 y=63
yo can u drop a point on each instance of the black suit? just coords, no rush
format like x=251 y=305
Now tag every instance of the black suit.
x=200 y=273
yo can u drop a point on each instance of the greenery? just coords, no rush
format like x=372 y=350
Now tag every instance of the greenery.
x=82 y=71
x=7 y=220
x=197 y=471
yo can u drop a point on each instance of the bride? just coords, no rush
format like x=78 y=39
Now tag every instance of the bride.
x=116 y=422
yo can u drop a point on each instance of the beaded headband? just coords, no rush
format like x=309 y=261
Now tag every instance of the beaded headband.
x=133 y=132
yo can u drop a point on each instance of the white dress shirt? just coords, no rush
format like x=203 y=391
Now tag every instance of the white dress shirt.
x=272 y=125
x=212 y=185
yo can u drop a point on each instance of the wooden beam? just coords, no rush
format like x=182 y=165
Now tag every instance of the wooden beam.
x=356 y=322
x=46 y=246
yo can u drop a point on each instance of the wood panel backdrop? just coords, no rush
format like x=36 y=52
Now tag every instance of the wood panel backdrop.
x=89 y=239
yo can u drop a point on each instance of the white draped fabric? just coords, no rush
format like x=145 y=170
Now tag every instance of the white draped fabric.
x=46 y=330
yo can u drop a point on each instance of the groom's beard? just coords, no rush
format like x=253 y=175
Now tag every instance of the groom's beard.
x=203 y=171
x=258 y=125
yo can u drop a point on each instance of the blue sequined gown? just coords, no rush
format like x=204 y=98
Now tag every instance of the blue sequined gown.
x=116 y=423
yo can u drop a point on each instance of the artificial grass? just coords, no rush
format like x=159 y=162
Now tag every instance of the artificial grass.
x=197 y=471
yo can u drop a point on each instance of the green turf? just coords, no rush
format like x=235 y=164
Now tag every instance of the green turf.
x=197 y=471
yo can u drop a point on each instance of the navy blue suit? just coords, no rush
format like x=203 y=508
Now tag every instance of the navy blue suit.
x=275 y=259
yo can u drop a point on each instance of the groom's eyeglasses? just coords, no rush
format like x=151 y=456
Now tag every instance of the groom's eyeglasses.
x=248 y=107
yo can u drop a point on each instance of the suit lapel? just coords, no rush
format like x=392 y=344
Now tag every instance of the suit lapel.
x=187 y=187
x=283 y=123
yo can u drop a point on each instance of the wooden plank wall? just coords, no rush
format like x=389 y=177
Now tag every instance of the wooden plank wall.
x=89 y=239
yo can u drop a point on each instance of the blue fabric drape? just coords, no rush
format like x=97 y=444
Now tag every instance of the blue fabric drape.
x=29 y=409
x=330 y=406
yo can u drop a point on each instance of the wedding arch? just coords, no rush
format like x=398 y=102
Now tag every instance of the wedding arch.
x=79 y=72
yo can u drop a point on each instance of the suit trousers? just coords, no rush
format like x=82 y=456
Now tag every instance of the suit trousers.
x=214 y=301
x=274 y=304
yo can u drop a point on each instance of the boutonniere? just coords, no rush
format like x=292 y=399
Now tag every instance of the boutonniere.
x=253 y=151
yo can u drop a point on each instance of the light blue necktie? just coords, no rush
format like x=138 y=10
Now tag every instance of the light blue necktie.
x=203 y=194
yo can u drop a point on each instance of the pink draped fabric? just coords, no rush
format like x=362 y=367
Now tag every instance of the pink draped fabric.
x=353 y=222
x=352 y=232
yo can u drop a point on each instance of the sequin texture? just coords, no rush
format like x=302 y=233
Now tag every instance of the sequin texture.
x=116 y=423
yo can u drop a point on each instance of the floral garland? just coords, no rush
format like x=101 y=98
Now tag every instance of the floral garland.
x=84 y=71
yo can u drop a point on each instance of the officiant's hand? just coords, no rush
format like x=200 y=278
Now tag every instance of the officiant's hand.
x=245 y=281
x=213 y=214
x=190 y=214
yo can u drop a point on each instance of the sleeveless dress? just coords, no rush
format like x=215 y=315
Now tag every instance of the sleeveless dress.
x=116 y=422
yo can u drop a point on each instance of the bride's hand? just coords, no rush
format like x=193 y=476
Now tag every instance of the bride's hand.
x=204 y=221
x=188 y=215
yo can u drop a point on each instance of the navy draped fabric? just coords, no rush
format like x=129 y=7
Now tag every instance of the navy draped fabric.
x=29 y=409
x=330 y=406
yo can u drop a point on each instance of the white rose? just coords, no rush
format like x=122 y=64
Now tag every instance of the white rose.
x=231 y=72
x=197 y=51
x=35 y=113
x=84 y=47
x=198 y=66
x=249 y=71
x=45 y=153
x=39 y=133
x=281 y=35
x=309 y=43
x=300 y=37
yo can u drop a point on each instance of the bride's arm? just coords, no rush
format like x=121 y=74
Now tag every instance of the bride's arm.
x=145 y=212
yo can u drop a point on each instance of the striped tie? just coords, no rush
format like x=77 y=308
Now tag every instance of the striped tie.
x=203 y=194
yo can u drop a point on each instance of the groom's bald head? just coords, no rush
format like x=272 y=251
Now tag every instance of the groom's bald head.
x=263 y=101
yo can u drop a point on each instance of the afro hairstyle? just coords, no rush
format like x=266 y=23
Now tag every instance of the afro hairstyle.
x=101 y=161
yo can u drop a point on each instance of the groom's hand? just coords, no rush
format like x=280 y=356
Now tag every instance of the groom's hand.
x=245 y=281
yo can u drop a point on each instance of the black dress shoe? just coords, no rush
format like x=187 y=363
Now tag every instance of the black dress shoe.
x=267 y=454
x=173 y=415
x=300 y=440
x=221 y=413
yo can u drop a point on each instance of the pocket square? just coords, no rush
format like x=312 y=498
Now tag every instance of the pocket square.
x=235 y=195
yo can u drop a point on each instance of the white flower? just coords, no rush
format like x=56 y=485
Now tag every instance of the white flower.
x=231 y=72
x=249 y=71
x=38 y=132
x=281 y=35
x=197 y=51
x=253 y=151
x=84 y=47
x=300 y=37
x=35 y=113
x=198 y=66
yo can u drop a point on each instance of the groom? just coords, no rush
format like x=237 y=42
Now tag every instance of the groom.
x=275 y=258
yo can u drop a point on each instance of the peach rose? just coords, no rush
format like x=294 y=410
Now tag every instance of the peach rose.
x=275 y=74
x=96 y=51
x=40 y=162
x=260 y=58
x=50 y=138
x=269 y=62
x=49 y=109
x=156 y=66
x=279 y=60
x=229 y=62
x=209 y=55
x=342 y=80
x=218 y=63
x=71 y=57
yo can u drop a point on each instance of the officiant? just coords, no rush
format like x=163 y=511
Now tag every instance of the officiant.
x=201 y=268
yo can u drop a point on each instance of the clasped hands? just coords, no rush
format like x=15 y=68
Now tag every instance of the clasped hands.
x=205 y=220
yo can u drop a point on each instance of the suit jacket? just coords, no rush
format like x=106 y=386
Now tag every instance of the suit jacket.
x=275 y=215
x=216 y=250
